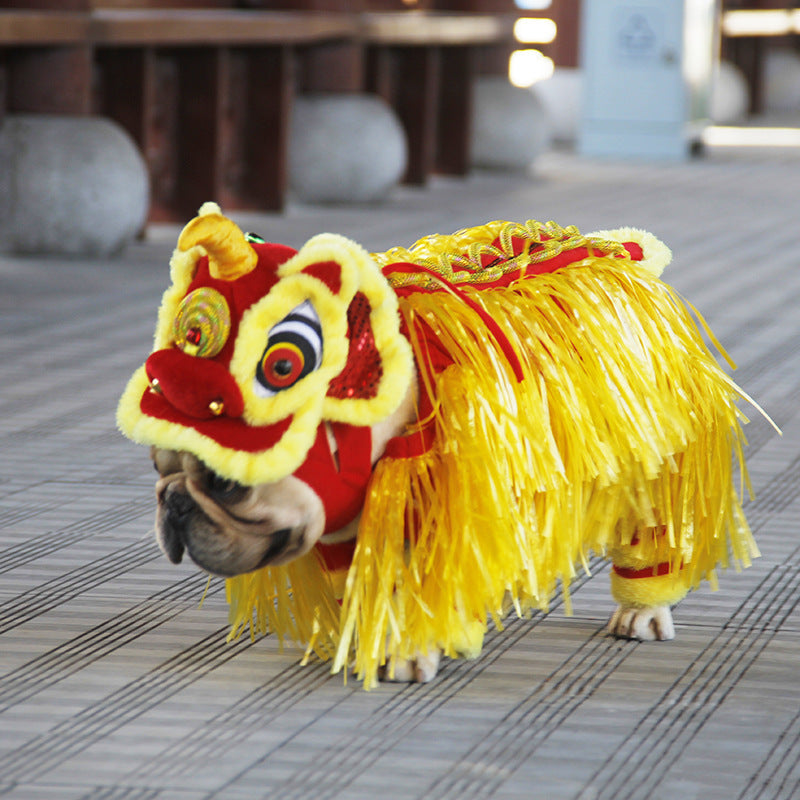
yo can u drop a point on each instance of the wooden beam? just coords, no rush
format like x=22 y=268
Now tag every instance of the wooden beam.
x=231 y=27
x=436 y=28
x=43 y=28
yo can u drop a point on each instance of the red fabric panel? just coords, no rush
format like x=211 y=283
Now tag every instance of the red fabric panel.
x=341 y=488
x=190 y=384
x=337 y=556
x=328 y=272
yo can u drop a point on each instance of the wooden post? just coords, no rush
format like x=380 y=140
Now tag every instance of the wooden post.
x=138 y=88
x=270 y=89
x=565 y=49
x=415 y=101
x=200 y=74
x=50 y=80
x=332 y=67
x=455 y=110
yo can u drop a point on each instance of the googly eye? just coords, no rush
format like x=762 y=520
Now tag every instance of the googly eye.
x=202 y=323
x=294 y=350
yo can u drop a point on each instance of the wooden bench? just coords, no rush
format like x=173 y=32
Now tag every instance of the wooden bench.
x=207 y=93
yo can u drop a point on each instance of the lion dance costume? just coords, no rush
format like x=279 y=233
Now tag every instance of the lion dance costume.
x=567 y=405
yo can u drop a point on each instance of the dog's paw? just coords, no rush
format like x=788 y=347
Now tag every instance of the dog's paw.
x=650 y=624
x=421 y=669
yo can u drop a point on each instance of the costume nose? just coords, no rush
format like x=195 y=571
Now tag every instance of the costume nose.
x=198 y=387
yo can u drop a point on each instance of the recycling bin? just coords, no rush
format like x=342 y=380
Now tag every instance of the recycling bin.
x=647 y=72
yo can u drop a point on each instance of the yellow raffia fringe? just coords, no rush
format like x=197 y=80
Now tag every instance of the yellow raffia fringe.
x=624 y=425
x=295 y=601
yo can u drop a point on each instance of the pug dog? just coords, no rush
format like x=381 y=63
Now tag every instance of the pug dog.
x=498 y=402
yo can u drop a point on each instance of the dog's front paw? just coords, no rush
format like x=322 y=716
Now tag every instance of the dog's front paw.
x=421 y=669
x=650 y=624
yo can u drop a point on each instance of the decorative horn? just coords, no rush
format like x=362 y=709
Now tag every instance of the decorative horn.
x=229 y=254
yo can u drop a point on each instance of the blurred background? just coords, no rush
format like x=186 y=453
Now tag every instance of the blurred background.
x=137 y=112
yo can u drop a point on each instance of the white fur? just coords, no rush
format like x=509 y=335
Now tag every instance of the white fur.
x=650 y=624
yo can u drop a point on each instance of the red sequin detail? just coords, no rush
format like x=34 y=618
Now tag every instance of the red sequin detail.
x=362 y=373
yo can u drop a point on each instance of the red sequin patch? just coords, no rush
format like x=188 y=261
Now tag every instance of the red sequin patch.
x=362 y=373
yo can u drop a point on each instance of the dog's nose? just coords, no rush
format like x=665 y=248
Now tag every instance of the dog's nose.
x=178 y=505
x=177 y=508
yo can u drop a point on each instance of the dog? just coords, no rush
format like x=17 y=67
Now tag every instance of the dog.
x=383 y=452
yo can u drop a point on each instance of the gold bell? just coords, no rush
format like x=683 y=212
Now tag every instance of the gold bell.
x=216 y=407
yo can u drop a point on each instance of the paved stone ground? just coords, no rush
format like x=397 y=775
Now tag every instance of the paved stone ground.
x=115 y=684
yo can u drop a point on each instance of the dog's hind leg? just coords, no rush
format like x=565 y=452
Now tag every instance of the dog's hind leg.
x=421 y=669
x=646 y=580
x=648 y=624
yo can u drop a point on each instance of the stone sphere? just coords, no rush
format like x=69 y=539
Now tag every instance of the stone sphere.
x=344 y=148
x=74 y=186
x=509 y=129
x=781 y=81
x=560 y=96
x=730 y=97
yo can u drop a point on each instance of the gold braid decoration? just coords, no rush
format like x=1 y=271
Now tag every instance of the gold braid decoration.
x=458 y=258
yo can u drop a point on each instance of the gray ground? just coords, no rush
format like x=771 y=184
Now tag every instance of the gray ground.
x=115 y=684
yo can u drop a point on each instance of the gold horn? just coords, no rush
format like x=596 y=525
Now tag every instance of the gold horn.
x=229 y=254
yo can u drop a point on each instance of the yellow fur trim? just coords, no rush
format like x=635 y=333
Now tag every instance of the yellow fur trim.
x=659 y=590
x=254 y=329
x=329 y=247
x=182 y=267
x=246 y=468
x=295 y=601
x=657 y=256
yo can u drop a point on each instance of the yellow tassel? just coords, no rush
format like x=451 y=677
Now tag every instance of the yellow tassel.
x=295 y=601
x=625 y=422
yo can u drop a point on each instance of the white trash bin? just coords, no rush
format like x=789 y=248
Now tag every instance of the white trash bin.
x=648 y=67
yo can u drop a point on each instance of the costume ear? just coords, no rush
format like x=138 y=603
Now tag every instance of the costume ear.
x=378 y=367
x=359 y=366
x=646 y=250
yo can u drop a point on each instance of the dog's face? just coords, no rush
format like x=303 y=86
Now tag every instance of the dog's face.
x=226 y=528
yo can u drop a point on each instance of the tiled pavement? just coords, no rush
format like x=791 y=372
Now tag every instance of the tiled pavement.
x=115 y=684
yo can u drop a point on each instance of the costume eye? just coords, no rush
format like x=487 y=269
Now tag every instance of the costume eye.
x=294 y=349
